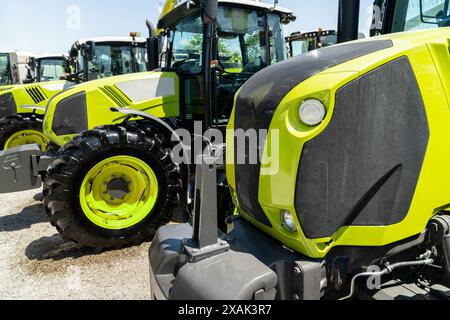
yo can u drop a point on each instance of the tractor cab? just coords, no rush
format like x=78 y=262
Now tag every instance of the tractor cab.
x=106 y=57
x=12 y=68
x=302 y=42
x=46 y=68
x=213 y=60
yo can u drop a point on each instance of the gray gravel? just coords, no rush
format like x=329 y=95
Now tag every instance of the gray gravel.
x=35 y=263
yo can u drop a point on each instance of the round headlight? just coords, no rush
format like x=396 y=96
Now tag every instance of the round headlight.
x=288 y=221
x=312 y=112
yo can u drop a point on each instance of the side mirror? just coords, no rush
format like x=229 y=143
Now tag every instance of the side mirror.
x=31 y=62
x=209 y=9
x=89 y=50
x=438 y=15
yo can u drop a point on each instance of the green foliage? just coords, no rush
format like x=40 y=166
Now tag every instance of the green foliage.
x=196 y=43
x=253 y=45
x=3 y=64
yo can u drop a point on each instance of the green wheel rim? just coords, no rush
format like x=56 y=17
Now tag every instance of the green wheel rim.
x=24 y=137
x=119 y=192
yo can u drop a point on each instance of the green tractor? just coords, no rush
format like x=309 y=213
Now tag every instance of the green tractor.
x=303 y=42
x=22 y=106
x=114 y=185
x=354 y=203
x=45 y=68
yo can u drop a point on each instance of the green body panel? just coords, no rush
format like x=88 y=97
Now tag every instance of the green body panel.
x=277 y=191
x=35 y=94
x=142 y=93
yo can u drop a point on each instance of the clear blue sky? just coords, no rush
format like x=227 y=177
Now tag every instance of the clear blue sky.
x=53 y=25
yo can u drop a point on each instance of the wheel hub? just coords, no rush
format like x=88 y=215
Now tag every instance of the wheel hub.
x=118 y=188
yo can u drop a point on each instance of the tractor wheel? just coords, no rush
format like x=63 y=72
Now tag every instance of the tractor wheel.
x=21 y=129
x=113 y=187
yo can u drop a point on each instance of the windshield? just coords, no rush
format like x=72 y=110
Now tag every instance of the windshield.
x=247 y=41
x=5 y=77
x=411 y=15
x=114 y=60
x=141 y=61
x=242 y=42
x=50 y=69
x=302 y=46
x=186 y=44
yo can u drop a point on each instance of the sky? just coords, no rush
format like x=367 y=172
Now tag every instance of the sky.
x=54 y=25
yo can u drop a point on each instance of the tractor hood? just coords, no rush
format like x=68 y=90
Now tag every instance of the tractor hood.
x=15 y=99
x=88 y=105
x=360 y=166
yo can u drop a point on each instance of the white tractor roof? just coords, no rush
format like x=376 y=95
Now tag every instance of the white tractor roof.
x=115 y=39
x=48 y=55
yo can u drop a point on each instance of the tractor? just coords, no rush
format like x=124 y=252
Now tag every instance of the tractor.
x=114 y=181
x=13 y=68
x=348 y=198
x=303 y=42
x=45 y=68
x=22 y=106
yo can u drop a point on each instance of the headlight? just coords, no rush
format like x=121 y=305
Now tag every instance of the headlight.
x=288 y=221
x=312 y=112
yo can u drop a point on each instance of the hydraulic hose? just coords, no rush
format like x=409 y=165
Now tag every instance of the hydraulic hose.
x=387 y=270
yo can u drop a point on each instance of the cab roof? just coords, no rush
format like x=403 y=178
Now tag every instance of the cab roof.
x=179 y=12
x=259 y=5
x=115 y=39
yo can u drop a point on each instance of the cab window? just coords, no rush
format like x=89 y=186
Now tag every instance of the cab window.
x=412 y=15
x=110 y=61
x=141 y=59
x=186 y=41
x=51 y=69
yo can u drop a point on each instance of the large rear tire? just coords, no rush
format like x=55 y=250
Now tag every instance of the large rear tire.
x=113 y=187
x=21 y=129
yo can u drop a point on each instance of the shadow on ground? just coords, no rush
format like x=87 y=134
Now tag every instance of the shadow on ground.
x=23 y=220
x=56 y=249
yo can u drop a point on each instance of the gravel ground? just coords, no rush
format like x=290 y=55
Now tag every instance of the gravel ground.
x=35 y=263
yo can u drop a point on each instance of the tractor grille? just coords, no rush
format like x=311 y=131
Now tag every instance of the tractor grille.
x=71 y=115
x=7 y=105
x=36 y=93
x=259 y=98
x=115 y=97
x=363 y=169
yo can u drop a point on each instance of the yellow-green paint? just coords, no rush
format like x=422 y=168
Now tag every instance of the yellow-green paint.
x=429 y=56
x=168 y=6
x=26 y=137
x=117 y=214
x=23 y=98
x=99 y=104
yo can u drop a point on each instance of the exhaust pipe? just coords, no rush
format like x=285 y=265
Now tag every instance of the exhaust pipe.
x=152 y=46
x=348 y=20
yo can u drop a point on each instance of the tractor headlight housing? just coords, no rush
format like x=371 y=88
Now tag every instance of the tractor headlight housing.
x=288 y=221
x=312 y=112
